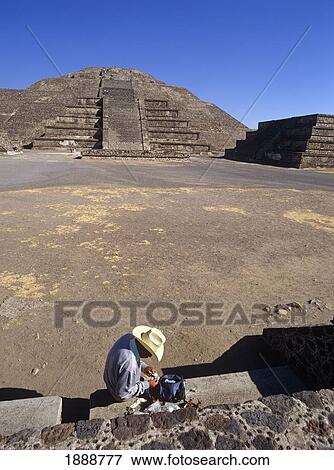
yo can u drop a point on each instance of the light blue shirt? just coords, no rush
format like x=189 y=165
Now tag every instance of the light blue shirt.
x=123 y=368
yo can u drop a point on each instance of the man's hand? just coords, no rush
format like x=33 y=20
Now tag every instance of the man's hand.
x=150 y=371
x=153 y=382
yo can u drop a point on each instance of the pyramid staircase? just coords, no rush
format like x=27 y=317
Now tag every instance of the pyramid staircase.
x=164 y=130
x=78 y=129
x=299 y=142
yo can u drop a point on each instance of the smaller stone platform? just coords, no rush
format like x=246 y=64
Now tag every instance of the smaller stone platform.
x=297 y=142
x=16 y=415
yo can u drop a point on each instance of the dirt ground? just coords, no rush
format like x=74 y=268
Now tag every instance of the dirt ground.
x=233 y=245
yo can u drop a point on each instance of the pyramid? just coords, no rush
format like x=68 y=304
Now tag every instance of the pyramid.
x=115 y=112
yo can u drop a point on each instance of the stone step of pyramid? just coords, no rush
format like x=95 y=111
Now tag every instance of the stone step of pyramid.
x=84 y=110
x=240 y=387
x=94 y=101
x=156 y=104
x=177 y=146
x=85 y=120
x=38 y=412
x=325 y=119
x=63 y=142
x=72 y=131
x=152 y=112
x=173 y=134
x=308 y=132
x=166 y=122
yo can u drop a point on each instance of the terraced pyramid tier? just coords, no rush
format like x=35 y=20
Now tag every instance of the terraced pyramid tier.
x=298 y=142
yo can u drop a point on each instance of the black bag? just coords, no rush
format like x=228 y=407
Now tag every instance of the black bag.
x=171 y=388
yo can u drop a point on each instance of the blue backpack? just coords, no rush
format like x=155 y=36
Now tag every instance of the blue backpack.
x=171 y=388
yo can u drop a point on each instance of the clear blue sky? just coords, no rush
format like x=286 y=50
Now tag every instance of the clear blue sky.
x=223 y=51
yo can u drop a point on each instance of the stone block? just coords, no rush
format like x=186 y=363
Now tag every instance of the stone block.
x=259 y=418
x=158 y=445
x=242 y=386
x=229 y=443
x=310 y=398
x=261 y=442
x=222 y=423
x=195 y=439
x=59 y=433
x=281 y=404
x=127 y=427
x=88 y=429
x=168 y=420
x=40 y=412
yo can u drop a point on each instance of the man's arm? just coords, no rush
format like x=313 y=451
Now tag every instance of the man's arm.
x=127 y=386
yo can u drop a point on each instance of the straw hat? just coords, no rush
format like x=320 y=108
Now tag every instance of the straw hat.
x=151 y=338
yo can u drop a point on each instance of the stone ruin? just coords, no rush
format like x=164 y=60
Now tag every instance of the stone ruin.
x=114 y=112
x=297 y=142
x=117 y=112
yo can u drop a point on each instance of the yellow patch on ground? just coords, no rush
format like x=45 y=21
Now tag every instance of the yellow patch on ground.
x=144 y=242
x=236 y=210
x=55 y=289
x=65 y=229
x=31 y=242
x=7 y=213
x=158 y=230
x=53 y=245
x=24 y=285
x=317 y=221
x=8 y=229
x=11 y=323
x=129 y=207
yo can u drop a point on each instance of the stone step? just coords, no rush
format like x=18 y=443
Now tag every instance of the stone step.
x=166 y=122
x=318 y=144
x=325 y=119
x=299 y=121
x=223 y=389
x=156 y=104
x=83 y=110
x=75 y=125
x=309 y=132
x=185 y=146
x=250 y=135
x=319 y=152
x=324 y=125
x=240 y=387
x=73 y=132
x=173 y=134
x=90 y=120
x=322 y=138
x=61 y=142
x=40 y=412
x=151 y=112
x=311 y=161
x=321 y=130
x=94 y=101
x=302 y=145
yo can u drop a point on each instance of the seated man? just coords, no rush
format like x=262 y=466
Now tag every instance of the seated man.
x=124 y=363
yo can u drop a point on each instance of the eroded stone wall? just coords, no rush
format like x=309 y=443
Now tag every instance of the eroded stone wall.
x=302 y=421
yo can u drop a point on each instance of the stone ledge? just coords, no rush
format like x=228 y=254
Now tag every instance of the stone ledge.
x=119 y=154
x=302 y=421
